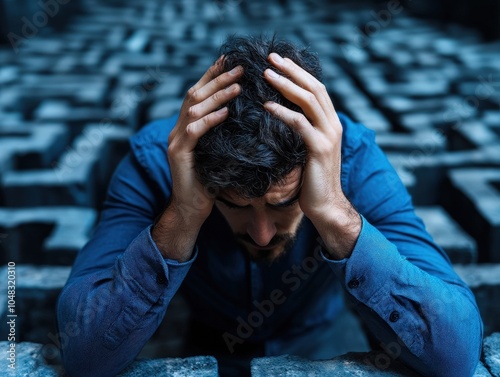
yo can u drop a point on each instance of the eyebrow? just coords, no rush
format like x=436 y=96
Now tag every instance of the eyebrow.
x=276 y=205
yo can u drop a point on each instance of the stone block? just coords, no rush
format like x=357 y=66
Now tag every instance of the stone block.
x=396 y=106
x=37 y=290
x=198 y=366
x=484 y=281
x=458 y=245
x=75 y=117
x=426 y=140
x=76 y=179
x=81 y=90
x=170 y=87
x=473 y=135
x=425 y=170
x=26 y=146
x=481 y=371
x=44 y=235
x=491 y=353
x=31 y=361
x=9 y=74
x=163 y=108
x=370 y=117
x=350 y=364
x=474 y=200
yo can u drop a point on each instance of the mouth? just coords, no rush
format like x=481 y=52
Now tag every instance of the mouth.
x=264 y=248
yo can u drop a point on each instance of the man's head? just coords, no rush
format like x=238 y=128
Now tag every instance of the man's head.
x=253 y=159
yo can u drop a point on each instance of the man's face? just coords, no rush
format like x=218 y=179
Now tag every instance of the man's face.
x=266 y=226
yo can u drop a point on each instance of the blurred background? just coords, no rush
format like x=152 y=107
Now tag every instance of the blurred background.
x=78 y=78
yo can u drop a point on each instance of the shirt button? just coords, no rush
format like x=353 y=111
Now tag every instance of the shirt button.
x=161 y=279
x=394 y=316
x=354 y=283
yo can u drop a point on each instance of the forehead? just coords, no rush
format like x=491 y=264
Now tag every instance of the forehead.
x=276 y=193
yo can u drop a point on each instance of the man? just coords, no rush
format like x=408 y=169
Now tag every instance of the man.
x=263 y=205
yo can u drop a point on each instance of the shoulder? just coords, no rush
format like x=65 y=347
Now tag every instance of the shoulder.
x=149 y=147
x=153 y=134
x=354 y=136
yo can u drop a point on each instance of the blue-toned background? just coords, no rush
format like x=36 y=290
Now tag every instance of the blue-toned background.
x=77 y=78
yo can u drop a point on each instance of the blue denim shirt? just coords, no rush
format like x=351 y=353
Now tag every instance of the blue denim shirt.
x=401 y=283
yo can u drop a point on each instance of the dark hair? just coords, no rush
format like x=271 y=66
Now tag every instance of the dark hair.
x=252 y=150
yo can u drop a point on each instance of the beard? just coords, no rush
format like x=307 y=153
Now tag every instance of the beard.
x=279 y=246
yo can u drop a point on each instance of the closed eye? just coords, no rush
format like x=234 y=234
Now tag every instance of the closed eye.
x=286 y=204
x=230 y=205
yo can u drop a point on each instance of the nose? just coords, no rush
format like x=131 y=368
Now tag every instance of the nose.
x=261 y=228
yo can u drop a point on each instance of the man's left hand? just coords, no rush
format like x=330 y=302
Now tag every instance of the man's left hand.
x=322 y=199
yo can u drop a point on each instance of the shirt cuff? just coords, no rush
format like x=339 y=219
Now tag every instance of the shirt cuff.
x=367 y=273
x=375 y=276
x=145 y=266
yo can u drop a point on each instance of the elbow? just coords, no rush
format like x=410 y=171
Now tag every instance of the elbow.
x=455 y=347
x=79 y=346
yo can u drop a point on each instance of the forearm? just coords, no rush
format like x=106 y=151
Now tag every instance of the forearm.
x=437 y=321
x=339 y=227
x=105 y=318
x=175 y=233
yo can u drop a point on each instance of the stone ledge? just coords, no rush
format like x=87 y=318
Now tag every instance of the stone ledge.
x=350 y=364
x=491 y=353
x=30 y=362
x=484 y=281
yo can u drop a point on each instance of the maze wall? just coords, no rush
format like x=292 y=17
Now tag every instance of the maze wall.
x=69 y=101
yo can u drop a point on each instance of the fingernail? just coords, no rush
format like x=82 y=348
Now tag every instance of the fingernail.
x=230 y=88
x=272 y=74
x=222 y=111
x=235 y=70
x=278 y=59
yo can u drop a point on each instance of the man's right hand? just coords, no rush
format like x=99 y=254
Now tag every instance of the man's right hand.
x=190 y=203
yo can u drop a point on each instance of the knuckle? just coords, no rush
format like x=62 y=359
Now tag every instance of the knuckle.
x=310 y=97
x=217 y=97
x=172 y=149
x=318 y=86
x=190 y=130
x=191 y=92
x=219 y=80
x=192 y=112
x=299 y=119
x=196 y=97
x=214 y=70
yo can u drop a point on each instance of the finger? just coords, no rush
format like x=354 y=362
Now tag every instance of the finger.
x=303 y=78
x=220 y=82
x=213 y=102
x=197 y=129
x=214 y=71
x=295 y=120
x=306 y=100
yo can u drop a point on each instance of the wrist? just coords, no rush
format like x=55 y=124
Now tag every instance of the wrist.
x=174 y=235
x=339 y=227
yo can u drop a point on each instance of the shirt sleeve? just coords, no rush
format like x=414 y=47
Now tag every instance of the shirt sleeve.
x=120 y=285
x=401 y=283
